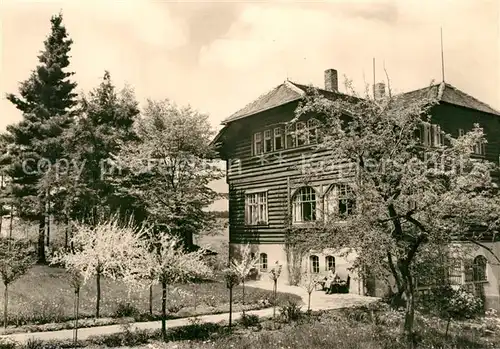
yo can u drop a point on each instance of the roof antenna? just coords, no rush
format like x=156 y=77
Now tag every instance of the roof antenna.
x=442 y=55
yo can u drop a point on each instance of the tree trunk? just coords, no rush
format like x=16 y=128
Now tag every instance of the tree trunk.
x=275 y=289
x=5 y=304
x=164 y=311
x=11 y=220
x=1 y=221
x=243 y=296
x=47 y=217
x=309 y=301
x=151 y=300
x=230 y=306
x=447 y=328
x=98 y=294
x=410 y=306
x=41 y=240
x=66 y=238
x=77 y=310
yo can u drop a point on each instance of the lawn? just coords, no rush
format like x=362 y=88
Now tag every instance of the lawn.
x=44 y=295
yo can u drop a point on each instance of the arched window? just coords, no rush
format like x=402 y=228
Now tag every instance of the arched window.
x=479 y=269
x=329 y=263
x=304 y=205
x=339 y=200
x=314 y=261
x=263 y=261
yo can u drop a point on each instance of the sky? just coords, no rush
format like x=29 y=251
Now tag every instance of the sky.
x=219 y=56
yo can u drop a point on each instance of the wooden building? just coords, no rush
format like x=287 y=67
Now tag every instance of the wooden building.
x=263 y=157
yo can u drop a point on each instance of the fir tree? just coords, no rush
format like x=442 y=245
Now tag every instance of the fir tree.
x=46 y=100
x=104 y=126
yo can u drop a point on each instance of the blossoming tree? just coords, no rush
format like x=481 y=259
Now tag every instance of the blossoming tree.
x=409 y=194
x=243 y=266
x=110 y=249
x=164 y=260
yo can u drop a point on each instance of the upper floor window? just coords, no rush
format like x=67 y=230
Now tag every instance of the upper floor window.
x=301 y=132
x=257 y=143
x=340 y=200
x=268 y=141
x=291 y=136
x=256 y=208
x=437 y=136
x=312 y=129
x=290 y=131
x=314 y=262
x=304 y=205
x=278 y=138
x=263 y=261
x=430 y=135
x=479 y=148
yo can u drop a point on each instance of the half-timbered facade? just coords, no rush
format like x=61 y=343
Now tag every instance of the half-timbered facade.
x=267 y=193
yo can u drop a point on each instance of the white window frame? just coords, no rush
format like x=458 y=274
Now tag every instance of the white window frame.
x=427 y=134
x=312 y=131
x=268 y=137
x=314 y=264
x=263 y=262
x=302 y=133
x=290 y=134
x=479 y=148
x=257 y=143
x=333 y=197
x=256 y=210
x=278 y=136
x=436 y=135
x=328 y=264
x=304 y=196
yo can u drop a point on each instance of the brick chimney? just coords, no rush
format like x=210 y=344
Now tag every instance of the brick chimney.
x=379 y=90
x=331 y=80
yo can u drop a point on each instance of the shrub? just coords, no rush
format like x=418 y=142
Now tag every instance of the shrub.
x=6 y=343
x=34 y=344
x=194 y=331
x=174 y=306
x=291 y=311
x=249 y=320
x=450 y=303
x=125 y=338
x=126 y=310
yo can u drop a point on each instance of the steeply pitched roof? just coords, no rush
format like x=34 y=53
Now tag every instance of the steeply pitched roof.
x=447 y=93
x=291 y=91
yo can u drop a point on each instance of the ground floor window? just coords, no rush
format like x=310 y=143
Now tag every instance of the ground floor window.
x=479 y=269
x=314 y=261
x=263 y=261
x=329 y=263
